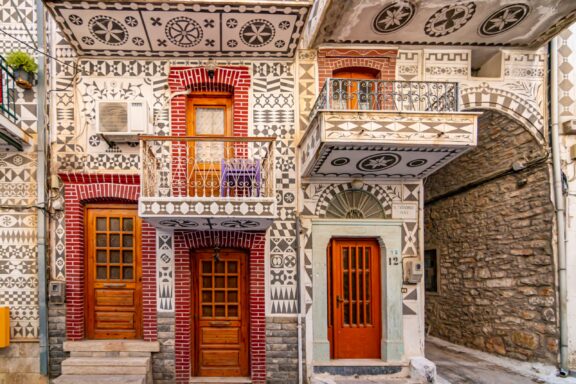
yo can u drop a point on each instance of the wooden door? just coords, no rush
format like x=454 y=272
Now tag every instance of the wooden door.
x=355 y=94
x=209 y=119
x=113 y=273
x=220 y=313
x=354 y=315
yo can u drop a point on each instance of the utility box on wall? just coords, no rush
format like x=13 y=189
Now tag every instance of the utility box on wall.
x=4 y=327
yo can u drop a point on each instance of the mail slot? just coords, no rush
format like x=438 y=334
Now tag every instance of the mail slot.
x=4 y=327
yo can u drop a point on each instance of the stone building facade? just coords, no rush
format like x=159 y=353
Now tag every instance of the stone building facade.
x=322 y=142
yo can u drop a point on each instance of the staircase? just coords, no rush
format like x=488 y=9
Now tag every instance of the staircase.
x=108 y=361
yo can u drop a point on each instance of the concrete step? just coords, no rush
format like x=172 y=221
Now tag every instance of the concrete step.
x=106 y=366
x=112 y=346
x=220 y=380
x=100 y=379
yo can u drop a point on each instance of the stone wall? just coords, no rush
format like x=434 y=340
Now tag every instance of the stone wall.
x=496 y=265
x=163 y=368
x=57 y=336
x=282 y=350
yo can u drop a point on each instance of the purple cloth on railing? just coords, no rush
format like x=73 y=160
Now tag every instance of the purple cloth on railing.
x=240 y=174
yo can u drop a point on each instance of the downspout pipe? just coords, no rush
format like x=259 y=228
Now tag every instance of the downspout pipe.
x=560 y=208
x=299 y=299
x=41 y=190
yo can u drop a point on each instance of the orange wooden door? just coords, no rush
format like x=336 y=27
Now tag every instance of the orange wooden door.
x=113 y=273
x=210 y=119
x=354 y=299
x=355 y=94
x=220 y=314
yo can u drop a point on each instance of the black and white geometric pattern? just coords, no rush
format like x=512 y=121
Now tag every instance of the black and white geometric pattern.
x=504 y=19
x=393 y=17
x=165 y=270
x=150 y=29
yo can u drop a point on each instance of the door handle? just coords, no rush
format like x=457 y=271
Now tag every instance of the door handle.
x=114 y=285
x=339 y=300
x=220 y=324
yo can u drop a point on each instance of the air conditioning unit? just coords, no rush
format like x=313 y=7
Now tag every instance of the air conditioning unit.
x=122 y=121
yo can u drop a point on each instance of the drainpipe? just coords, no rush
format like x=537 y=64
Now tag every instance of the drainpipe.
x=299 y=299
x=41 y=191
x=560 y=208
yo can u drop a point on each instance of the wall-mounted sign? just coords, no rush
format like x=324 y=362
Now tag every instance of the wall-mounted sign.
x=404 y=211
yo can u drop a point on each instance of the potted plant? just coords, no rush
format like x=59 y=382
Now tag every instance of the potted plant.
x=24 y=68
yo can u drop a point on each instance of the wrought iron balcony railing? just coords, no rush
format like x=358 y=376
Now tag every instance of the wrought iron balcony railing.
x=7 y=91
x=201 y=167
x=385 y=95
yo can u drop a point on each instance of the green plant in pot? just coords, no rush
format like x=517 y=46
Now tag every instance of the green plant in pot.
x=24 y=67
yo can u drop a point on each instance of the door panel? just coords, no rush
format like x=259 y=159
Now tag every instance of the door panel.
x=221 y=314
x=113 y=270
x=354 y=309
x=209 y=117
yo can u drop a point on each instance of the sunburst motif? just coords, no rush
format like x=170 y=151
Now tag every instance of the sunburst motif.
x=355 y=205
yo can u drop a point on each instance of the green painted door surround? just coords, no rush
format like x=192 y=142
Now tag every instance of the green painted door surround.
x=389 y=235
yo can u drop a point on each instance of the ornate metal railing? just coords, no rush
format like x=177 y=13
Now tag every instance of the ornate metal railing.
x=206 y=167
x=7 y=91
x=385 y=95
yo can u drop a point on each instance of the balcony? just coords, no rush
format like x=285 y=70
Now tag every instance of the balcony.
x=384 y=129
x=10 y=132
x=207 y=183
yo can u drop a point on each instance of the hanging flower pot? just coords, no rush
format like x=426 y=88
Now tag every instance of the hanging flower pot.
x=24 y=68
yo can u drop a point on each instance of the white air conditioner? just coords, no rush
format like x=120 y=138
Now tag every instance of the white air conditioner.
x=122 y=121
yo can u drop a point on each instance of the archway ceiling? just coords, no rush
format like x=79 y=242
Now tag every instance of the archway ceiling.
x=181 y=28
x=498 y=23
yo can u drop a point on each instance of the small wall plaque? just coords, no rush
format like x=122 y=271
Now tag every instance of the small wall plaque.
x=404 y=211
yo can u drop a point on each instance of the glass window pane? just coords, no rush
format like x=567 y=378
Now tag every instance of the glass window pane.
x=210 y=121
x=127 y=257
x=127 y=241
x=128 y=273
x=115 y=257
x=220 y=297
x=207 y=310
x=101 y=256
x=232 y=267
x=101 y=273
x=220 y=311
x=233 y=311
x=206 y=266
x=114 y=240
x=115 y=273
x=220 y=266
x=219 y=282
x=206 y=296
x=232 y=297
x=127 y=225
x=101 y=240
x=232 y=282
x=101 y=224
x=207 y=152
x=114 y=224
x=207 y=282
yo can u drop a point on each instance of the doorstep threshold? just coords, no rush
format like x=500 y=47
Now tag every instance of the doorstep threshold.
x=216 y=379
x=359 y=363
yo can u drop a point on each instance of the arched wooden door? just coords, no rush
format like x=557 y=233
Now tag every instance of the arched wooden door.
x=357 y=92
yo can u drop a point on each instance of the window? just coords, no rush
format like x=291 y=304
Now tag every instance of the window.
x=431 y=270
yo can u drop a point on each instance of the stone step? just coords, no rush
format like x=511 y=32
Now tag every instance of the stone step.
x=112 y=346
x=327 y=379
x=100 y=379
x=106 y=366
x=220 y=380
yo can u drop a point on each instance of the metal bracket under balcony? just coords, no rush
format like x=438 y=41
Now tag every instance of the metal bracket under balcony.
x=385 y=129
x=204 y=183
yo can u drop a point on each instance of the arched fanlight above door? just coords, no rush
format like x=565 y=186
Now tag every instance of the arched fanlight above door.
x=354 y=204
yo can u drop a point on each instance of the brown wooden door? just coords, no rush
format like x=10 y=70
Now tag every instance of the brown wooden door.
x=354 y=299
x=220 y=313
x=209 y=118
x=356 y=94
x=113 y=273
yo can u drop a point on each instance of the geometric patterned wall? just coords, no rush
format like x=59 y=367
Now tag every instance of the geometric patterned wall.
x=18 y=251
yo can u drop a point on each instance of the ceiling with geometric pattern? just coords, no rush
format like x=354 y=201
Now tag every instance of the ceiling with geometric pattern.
x=181 y=29
x=504 y=23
